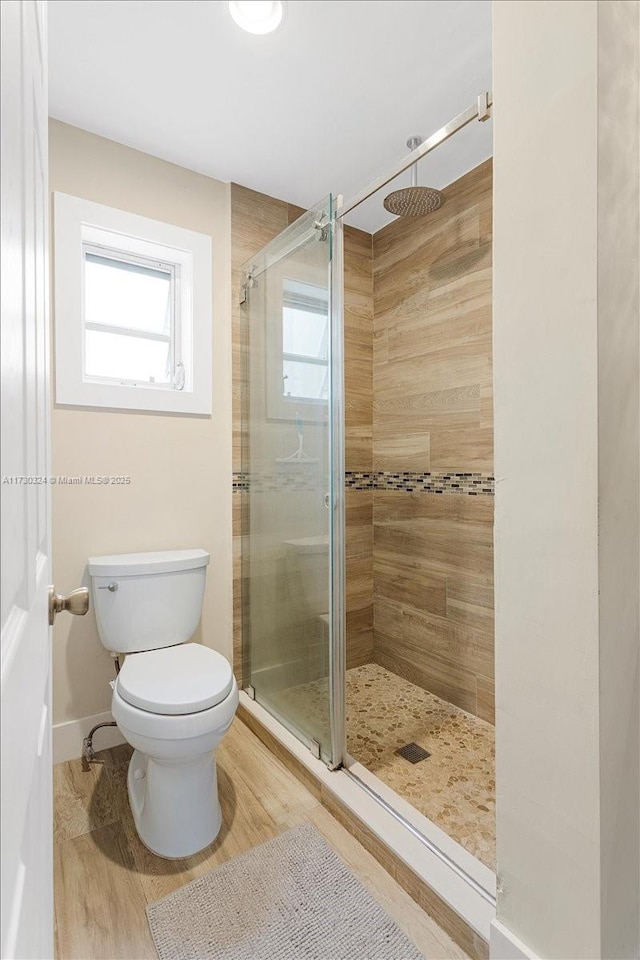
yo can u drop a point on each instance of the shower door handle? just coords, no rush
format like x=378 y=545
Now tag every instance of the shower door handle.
x=326 y=500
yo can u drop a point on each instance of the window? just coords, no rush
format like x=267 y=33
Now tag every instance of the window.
x=305 y=342
x=297 y=332
x=130 y=318
x=132 y=311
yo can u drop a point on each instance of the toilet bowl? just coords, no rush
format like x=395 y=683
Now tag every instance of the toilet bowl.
x=173 y=701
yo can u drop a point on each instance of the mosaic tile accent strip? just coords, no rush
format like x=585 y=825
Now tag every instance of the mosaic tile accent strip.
x=468 y=484
x=270 y=483
x=454 y=788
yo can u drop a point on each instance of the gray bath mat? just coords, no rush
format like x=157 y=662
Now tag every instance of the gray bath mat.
x=291 y=898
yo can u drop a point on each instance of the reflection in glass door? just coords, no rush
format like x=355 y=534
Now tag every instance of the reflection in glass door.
x=290 y=505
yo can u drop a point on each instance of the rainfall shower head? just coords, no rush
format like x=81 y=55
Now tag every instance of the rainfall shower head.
x=413 y=201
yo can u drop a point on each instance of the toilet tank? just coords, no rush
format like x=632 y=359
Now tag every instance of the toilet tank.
x=144 y=601
x=308 y=562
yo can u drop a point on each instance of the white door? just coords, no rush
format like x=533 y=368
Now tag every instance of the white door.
x=27 y=884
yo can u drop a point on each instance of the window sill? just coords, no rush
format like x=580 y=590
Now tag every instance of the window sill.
x=129 y=397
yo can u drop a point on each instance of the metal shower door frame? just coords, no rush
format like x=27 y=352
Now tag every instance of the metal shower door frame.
x=338 y=583
x=481 y=110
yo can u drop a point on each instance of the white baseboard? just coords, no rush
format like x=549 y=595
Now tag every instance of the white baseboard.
x=504 y=945
x=68 y=737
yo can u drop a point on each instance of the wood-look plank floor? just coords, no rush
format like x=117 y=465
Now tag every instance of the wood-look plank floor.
x=105 y=877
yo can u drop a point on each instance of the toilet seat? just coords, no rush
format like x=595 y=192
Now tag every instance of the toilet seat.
x=175 y=681
x=173 y=727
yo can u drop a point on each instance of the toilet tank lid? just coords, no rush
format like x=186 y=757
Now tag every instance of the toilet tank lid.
x=318 y=544
x=138 y=564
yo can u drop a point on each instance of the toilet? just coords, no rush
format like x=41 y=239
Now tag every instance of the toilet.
x=173 y=701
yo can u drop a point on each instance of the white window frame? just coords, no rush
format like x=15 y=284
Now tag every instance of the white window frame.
x=81 y=224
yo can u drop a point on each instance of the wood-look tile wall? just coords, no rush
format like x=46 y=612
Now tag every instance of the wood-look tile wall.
x=255 y=220
x=358 y=382
x=418 y=386
x=433 y=402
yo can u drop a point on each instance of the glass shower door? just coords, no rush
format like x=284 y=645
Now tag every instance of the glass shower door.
x=289 y=502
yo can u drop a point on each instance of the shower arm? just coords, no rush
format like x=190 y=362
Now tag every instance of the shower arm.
x=480 y=111
x=413 y=143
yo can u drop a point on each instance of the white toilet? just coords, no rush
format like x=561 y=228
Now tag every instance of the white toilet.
x=172 y=700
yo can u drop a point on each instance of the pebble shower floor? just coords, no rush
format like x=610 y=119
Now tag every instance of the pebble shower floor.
x=455 y=786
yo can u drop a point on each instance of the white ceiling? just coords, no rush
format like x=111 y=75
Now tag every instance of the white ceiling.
x=324 y=104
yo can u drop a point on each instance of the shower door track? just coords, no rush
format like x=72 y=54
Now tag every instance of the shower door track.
x=480 y=110
x=429 y=844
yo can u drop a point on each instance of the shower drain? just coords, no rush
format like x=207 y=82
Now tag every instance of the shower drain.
x=413 y=752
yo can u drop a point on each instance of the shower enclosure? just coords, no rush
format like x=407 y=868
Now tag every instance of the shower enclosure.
x=293 y=530
x=293 y=470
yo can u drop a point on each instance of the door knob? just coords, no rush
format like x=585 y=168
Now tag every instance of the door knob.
x=76 y=602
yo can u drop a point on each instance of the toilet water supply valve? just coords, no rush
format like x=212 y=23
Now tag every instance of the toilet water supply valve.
x=88 y=753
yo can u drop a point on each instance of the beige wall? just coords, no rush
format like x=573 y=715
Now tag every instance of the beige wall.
x=566 y=394
x=180 y=466
x=546 y=538
x=619 y=470
x=433 y=412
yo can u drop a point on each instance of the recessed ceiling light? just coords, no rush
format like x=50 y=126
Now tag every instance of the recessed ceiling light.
x=257 y=16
